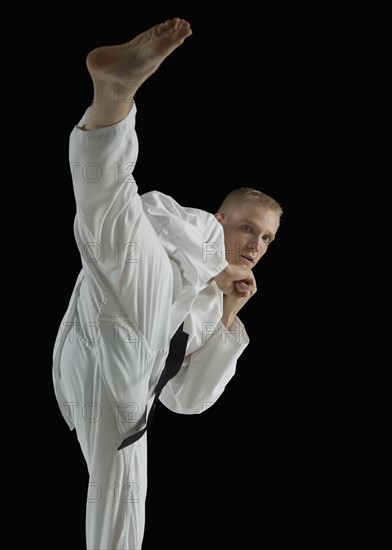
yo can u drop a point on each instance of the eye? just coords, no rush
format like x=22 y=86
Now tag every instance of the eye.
x=266 y=239
x=247 y=228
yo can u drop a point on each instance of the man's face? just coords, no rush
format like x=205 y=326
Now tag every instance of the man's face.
x=248 y=228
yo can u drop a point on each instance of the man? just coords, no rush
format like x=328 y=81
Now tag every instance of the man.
x=149 y=267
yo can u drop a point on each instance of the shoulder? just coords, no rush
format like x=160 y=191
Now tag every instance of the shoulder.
x=160 y=205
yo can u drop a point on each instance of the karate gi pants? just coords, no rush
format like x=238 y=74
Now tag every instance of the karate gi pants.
x=115 y=508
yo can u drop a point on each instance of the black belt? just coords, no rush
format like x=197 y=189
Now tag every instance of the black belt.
x=173 y=364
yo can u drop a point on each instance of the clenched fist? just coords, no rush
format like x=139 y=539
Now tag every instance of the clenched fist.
x=236 y=281
x=238 y=285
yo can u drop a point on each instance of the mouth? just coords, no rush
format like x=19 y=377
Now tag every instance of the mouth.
x=249 y=260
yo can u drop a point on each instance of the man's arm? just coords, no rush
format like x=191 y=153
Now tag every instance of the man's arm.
x=207 y=371
x=238 y=285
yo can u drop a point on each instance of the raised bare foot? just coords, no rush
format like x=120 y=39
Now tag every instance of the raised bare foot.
x=118 y=71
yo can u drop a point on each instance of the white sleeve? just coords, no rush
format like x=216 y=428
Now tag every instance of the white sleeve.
x=206 y=372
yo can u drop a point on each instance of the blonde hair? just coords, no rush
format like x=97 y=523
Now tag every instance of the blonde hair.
x=242 y=194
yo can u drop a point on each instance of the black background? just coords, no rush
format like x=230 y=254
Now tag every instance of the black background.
x=240 y=103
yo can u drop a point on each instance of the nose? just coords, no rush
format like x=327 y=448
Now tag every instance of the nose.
x=255 y=244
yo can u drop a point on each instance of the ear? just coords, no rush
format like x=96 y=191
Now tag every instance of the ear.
x=219 y=217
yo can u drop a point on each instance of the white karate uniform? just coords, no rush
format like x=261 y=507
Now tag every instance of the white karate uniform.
x=147 y=265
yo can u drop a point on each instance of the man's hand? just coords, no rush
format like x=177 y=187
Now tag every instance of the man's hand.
x=234 y=281
x=238 y=285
